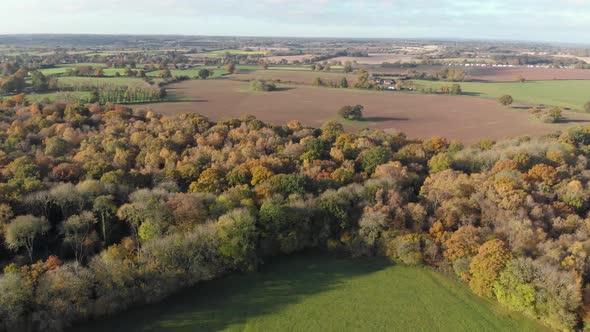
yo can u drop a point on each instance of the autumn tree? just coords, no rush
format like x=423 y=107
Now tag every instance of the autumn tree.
x=486 y=266
x=464 y=242
x=351 y=112
x=231 y=67
x=165 y=74
x=506 y=100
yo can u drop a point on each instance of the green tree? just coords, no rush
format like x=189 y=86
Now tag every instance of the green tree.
x=204 y=73
x=374 y=157
x=56 y=147
x=39 y=82
x=344 y=83
x=514 y=287
x=238 y=238
x=23 y=231
x=348 y=67
x=106 y=209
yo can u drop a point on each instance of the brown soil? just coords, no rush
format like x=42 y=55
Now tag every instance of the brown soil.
x=419 y=116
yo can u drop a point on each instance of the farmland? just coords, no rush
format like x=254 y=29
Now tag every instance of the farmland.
x=294 y=76
x=418 y=115
x=221 y=53
x=564 y=93
x=305 y=294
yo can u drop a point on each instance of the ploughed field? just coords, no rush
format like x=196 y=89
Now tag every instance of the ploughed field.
x=418 y=115
x=323 y=293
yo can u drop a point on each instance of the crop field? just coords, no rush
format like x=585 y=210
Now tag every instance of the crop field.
x=323 y=293
x=418 y=115
x=571 y=94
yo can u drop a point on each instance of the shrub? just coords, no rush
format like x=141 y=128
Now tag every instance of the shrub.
x=506 y=100
x=406 y=249
x=587 y=107
x=544 y=115
x=261 y=85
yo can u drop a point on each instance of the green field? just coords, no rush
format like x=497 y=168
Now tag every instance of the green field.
x=97 y=81
x=564 y=93
x=323 y=293
x=58 y=96
x=221 y=53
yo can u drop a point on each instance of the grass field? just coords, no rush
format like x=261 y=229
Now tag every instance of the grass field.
x=323 y=293
x=97 y=81
x=57 y=96
x=193 y=72
x=564 y=93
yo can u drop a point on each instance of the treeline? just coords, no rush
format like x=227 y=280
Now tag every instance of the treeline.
x=14 y=80
x=105 y=207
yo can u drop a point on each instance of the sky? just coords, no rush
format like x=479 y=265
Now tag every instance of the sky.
x=535 y=20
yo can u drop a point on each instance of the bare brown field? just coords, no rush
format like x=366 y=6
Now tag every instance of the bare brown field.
x=419 y=116
x=294 y=76
x=494 y=74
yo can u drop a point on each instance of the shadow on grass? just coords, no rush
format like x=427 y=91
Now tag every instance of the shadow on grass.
x=472 y=94
x=232 y=301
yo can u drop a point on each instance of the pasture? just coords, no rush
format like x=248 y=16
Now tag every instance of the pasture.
x=571 y=94
x=323 y=293
x=58 y=96
x=418 y=115
x=70 y=81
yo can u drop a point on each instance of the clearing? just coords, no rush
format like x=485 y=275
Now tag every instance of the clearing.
x=323 y=293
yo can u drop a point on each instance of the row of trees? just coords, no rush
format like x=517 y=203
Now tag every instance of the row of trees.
x=105 y=207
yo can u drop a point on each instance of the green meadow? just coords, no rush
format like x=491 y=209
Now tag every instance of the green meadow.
x=564 y=93
x=323 y=293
